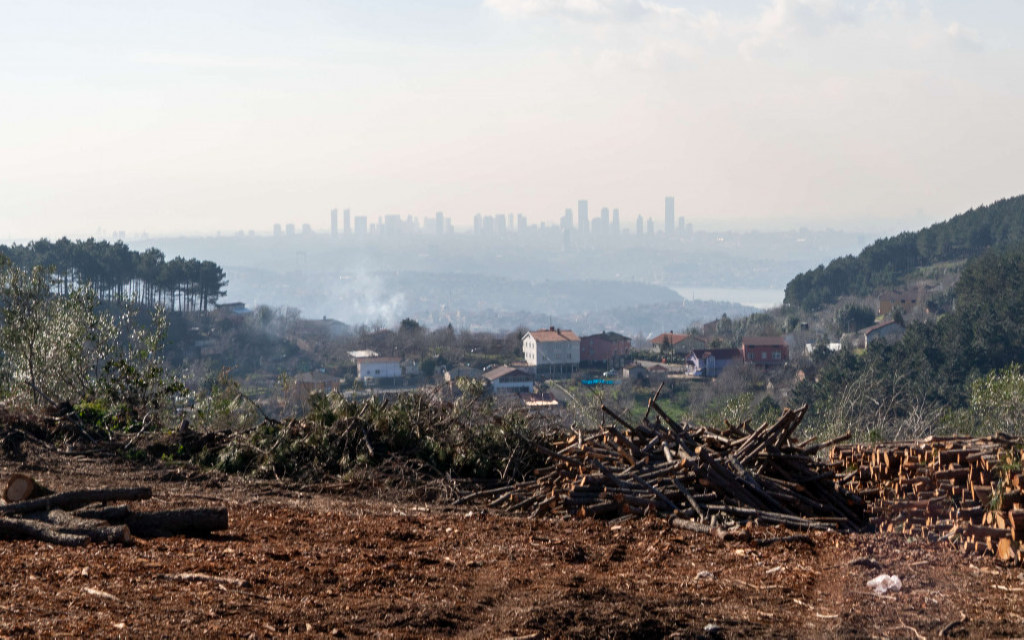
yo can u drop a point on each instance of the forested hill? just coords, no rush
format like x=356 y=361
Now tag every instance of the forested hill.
x=116 y=272
x=884 y=263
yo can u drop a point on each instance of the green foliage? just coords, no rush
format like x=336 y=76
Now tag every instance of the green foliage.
x=63 y=349
x=886 y=262
x=851 y=318
x=340 y=434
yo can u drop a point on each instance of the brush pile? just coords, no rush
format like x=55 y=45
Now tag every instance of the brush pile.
x=706 y=479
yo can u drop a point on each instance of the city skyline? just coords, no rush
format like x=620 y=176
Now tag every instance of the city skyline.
x=195 y=117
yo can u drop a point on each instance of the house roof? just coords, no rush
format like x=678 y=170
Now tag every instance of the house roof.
x=500 y=372
x=610 y=336
x=378 y=360
x=364 y=353
x=764 y=341
x=719 y=354
x=878 y=326
x=554 y=335
x=673 y=338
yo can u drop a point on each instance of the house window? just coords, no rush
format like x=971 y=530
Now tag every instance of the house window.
x=764 y=355
x=777 y=355
x=751 y=354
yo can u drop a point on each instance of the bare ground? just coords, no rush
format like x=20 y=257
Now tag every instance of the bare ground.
x=299 y=562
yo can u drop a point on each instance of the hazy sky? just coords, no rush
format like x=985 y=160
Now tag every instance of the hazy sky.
x=221 y=115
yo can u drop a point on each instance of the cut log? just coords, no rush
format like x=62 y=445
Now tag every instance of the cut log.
x=19 y=487
x=97 y=530
x=19 y=528
x=76 y=499
x=178 y=522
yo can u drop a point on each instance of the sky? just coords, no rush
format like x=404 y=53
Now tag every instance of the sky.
x=196 y=117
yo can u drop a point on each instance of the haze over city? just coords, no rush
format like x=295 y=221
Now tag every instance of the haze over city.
x=196 y=118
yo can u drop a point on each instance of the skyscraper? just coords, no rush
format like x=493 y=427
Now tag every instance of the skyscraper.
x=670 y=216
x=359 y=224
x=567 y=219
x=615 y=222
x=439 y=222
x=639 y=225
x=650 y=226
x=583 y=218
x=334 y=223
x=348 y=229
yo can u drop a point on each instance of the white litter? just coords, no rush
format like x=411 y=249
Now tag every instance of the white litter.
x=885 y=583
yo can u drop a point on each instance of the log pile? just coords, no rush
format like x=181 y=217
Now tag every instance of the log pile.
x=74 y=519
x=968 y=491
x=705 y=479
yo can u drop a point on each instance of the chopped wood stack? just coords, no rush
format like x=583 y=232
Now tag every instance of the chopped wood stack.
x=968 y=491
x=71 y=519
x=710 y=478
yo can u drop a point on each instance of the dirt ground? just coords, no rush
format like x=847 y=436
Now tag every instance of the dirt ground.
x=300 y=562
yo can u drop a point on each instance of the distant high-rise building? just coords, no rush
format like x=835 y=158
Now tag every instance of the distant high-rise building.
x=478 y=224
x=488 y=225
x=566 y=239
x=650 y=226
x=670 y=215
x=499 y=223
x=289 y=229
x=567 y=219
x=306 y=229
x=639 y=225
x=615 y=222
x=277 y=229
x=681 y=225
x=348 y=228
x=359 y=223
x=334 y=222
x=583 y=222
x=521 y=223
x=606 y=220
x=439 y=222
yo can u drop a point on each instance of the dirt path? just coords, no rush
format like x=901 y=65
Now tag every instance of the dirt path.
x=302 y=563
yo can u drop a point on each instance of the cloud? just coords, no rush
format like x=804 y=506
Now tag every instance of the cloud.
x=786 y=20
x=585 y=10
x=963 y=38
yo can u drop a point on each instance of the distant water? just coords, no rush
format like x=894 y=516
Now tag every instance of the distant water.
x=759 y=298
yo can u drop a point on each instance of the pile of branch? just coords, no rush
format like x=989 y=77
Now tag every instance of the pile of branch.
x=707 y=480
x=968 y=491
x=78 y=517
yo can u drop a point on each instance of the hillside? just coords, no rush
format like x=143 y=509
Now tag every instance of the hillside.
x=886 y=263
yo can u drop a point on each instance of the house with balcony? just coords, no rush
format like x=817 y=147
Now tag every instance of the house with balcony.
x=552 y=352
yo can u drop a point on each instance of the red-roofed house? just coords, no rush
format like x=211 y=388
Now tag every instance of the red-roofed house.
x=677 y=342
x=552 y=351
x=765 y=351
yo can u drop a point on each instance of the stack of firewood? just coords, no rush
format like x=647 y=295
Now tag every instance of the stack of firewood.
x=707 y=479
x=78 y=517
x=968 y=491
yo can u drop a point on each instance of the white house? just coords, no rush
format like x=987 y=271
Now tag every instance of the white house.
x=378 y=368
x=552 y=351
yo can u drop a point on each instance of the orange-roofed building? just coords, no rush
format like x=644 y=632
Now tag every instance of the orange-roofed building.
x=552 y=351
